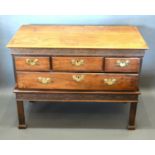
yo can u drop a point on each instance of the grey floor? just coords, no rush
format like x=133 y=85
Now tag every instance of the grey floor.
x=77 y=120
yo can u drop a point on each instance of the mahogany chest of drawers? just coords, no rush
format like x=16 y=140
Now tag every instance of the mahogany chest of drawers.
x=77 y=64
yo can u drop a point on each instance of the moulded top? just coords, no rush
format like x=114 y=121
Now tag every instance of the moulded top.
x=83 y=37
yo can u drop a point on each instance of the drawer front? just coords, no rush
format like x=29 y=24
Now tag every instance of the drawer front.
x=32 y=63
x=77 y=81
x=77 y=64
x=122 y=65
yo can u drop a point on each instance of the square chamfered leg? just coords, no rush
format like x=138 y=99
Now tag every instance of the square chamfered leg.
x=132 y=116
x=21 y=115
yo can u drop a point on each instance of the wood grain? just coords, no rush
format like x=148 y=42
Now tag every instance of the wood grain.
x=132 y=116
x=96 y=37
x=42 y=65
x=78 y=52
x=80 y=96
x=89 y=64
x=112 y=66
x=21 y=115
x=59 y=97
x=16 y=90
x=65 y=81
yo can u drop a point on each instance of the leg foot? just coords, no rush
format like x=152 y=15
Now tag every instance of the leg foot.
x=22 y=126
x=21 y=115
x=131 y=127
x=132 y=116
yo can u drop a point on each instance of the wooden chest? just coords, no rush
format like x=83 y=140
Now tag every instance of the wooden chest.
x=77 y=64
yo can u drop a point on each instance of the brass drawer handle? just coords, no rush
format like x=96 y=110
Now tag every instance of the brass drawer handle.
x=110 y=81
x=122 y=63
x=78 y=78
x=32 y=62
x=45 y=80
x=77 y=62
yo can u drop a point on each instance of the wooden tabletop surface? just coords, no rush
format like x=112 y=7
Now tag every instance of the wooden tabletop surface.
x=91 y=37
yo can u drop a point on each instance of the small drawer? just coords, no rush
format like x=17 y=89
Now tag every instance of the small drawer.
x=122 y=65
x=93 y=64
x=77 y=81
x=32 y=63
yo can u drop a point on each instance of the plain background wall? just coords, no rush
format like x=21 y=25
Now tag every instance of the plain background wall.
x=10 y=24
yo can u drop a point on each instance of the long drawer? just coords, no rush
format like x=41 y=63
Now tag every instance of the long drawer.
x=76 y=81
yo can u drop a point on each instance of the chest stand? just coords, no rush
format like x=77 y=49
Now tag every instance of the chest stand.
x=68 y=96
